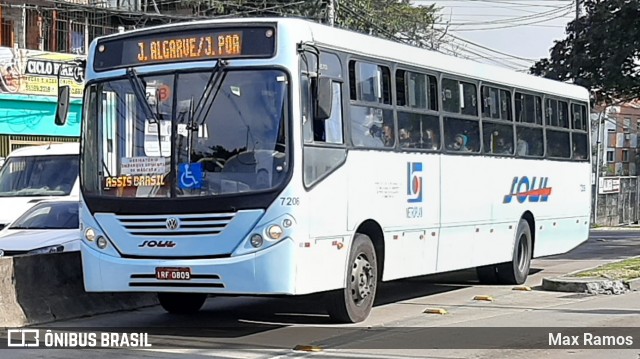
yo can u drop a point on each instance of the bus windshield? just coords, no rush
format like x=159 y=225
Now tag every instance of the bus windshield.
x=207 y=135
x=38 y=176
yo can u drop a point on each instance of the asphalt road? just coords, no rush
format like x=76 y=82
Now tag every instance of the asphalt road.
x=239 y=327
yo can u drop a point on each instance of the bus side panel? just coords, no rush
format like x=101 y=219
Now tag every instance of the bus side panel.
x=401 y=192
x=324 y=243
x=472 y=187
x=563 y=223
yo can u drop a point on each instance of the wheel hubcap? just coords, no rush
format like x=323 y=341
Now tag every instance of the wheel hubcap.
x=361 y=279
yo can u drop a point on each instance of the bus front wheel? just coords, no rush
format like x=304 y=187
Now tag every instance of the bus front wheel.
x=353 y=303
x=182 y=303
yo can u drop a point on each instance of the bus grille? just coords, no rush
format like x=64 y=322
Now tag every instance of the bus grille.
x=179 y=225
x=197 y=281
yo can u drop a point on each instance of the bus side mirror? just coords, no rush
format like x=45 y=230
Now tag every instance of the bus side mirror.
x=62 y=109
x=324 y=99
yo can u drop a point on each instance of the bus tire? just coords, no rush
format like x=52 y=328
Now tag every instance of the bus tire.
x=353 y=303
x=182 y=303
x=516 y=271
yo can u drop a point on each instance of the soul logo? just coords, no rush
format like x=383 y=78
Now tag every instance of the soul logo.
x=536 y=189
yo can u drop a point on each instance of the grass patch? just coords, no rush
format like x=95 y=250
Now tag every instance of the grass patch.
x=624 y=270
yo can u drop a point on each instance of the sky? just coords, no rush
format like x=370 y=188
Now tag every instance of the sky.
x=521 y=31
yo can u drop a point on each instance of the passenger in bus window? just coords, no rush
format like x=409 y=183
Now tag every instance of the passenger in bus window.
x=459 y=143
x=522 y=147
x=430 y=140
x=405 y=137
x=503 y=147
x=387 y=135
x=578 y=153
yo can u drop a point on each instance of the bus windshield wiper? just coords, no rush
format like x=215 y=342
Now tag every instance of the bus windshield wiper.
x=139 y=91
x=206 y=101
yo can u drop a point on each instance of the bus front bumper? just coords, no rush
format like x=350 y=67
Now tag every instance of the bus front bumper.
x=270 y=272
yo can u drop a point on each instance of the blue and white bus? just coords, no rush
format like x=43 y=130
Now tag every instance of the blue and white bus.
x=284 y=157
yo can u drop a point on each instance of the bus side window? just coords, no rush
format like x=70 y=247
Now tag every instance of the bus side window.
x=558 y=144
x=529 y=142
x=331 y=129
x=461 y=135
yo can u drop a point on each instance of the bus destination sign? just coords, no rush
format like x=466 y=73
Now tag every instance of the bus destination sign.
x=190 y=48
x=186 y=45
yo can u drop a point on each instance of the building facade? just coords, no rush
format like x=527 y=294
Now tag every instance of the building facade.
x=620 y=124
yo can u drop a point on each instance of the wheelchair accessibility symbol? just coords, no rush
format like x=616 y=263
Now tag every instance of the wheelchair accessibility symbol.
x=190 y=175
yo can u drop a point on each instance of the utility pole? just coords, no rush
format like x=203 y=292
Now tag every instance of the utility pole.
x=577 y=9
x=598 y=161
x=331 y=12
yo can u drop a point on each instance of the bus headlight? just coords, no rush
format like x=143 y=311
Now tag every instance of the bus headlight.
x=101 y=242
x=274 y=232
x=256 y=240
x=90 y=234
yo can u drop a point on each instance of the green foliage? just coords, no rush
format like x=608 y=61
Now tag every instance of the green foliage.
x=600 y=52
x=391 y=19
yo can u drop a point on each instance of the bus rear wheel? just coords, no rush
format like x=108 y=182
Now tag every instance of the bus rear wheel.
x=353 y=303
x=182 y=303
x=516 y=271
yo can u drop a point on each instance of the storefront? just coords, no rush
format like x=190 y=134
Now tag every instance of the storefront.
x=28 y=97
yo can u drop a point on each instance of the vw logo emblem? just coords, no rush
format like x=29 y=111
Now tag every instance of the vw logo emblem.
x=172 y=223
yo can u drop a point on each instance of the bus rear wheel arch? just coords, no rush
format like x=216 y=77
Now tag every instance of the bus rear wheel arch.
x=353 y=303
x=515 y=271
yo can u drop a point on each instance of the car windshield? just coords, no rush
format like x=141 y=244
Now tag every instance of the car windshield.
x=198 y=134
x=49 y=215
x=39 y=175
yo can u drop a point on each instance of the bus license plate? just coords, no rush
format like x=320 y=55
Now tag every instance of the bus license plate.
x=164 y=273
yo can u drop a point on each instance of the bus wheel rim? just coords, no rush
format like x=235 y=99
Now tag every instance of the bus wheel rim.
x=361 y=279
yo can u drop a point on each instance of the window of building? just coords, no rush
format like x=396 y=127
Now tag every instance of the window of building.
x=625 y=155
x=610 y=155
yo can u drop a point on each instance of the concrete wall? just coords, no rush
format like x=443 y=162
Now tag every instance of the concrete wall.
x=43 y=288
x=622 y=207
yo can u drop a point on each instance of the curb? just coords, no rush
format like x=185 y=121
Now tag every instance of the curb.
x=633 y=284
x=44 y=288
x=620 y=228
x=585 y=285
x=590 y=285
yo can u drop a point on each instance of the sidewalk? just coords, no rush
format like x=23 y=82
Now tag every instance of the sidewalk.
x=622 y=227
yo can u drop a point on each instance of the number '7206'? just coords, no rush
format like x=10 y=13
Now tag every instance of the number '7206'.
x=289 y=201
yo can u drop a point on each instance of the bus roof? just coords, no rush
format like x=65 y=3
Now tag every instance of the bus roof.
x=72 y=148
x=366 y=45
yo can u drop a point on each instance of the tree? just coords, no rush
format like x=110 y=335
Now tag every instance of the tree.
x=391 y=19
x=601 y=51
